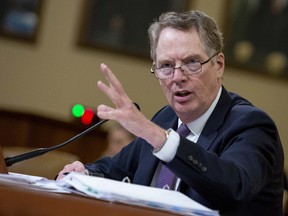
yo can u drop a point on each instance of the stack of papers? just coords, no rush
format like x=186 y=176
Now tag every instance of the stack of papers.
x=111 y=190
x=33 y=182
x=122 y=192
x=20 y=178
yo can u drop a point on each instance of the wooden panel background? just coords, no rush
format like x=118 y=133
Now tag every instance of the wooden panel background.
x=30 y=130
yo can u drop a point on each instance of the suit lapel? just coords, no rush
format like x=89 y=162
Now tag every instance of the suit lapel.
x=210 y=131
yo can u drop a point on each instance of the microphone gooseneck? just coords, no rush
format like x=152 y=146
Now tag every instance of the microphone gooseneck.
x=40 y=151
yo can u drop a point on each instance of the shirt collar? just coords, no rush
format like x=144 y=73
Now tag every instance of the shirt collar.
x=197 y=125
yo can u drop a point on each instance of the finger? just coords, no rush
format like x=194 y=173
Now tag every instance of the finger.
x=104 y=108
x=105 y=112
x=114 y=91
x=109 y=91
x=111 y=78
x=61 y=174
x=102 y=86
x=78 y=166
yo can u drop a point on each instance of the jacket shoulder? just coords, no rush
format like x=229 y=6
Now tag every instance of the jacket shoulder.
x=165 y=116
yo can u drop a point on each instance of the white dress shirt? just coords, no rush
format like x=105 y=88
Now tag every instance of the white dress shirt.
x=168 y=151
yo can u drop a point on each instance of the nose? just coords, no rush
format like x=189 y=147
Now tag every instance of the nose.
x=179 y=74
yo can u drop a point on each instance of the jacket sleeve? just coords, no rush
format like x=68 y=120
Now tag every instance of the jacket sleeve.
x=243 y=157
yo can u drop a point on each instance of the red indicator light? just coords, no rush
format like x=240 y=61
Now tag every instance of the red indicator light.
x=87 y=116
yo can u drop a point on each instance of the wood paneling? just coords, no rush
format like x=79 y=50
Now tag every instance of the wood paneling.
x=30 y=130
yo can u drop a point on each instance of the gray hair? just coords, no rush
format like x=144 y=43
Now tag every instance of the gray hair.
x=208 y=31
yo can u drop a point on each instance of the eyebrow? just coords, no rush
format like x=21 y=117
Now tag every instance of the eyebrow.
x=193 y=56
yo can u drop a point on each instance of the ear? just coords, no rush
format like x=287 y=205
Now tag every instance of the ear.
x=220 y=63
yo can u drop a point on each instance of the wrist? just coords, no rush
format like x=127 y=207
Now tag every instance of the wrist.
x=166 y=132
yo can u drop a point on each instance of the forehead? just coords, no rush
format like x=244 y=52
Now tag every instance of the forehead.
x=175 y=43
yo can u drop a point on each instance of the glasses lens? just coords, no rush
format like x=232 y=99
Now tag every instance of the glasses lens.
x=164 y=73
x=192 y=67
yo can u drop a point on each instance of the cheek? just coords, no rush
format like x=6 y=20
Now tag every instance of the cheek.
x=166 y=86
x=209 y=81
x=207 y=89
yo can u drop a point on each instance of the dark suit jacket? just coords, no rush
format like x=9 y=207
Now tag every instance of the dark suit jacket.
x=236 y=166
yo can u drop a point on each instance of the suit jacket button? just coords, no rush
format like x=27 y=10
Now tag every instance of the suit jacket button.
x=204 y=169
x=190 y=158
x=195 y=161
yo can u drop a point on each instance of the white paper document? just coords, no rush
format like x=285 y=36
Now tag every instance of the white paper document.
x=111 y=190
x=20 y=178
x=33 y=182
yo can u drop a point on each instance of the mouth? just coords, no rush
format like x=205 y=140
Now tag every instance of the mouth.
x=182 y=96
x=182 y=93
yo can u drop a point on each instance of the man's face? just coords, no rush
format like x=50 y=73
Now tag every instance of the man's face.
x=189 y=95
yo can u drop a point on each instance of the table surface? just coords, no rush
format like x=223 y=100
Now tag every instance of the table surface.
x=24 y=201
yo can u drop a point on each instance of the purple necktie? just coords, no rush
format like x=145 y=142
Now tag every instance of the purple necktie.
x=166 y=178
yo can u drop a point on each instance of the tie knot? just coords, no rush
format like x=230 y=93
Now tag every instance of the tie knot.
x=183 y=130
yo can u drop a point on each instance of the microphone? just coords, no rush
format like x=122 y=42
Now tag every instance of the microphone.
x=40 y=151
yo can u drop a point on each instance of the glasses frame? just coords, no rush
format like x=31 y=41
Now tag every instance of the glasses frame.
x=152 y=70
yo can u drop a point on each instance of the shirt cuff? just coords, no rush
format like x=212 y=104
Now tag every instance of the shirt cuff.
x=168 y=151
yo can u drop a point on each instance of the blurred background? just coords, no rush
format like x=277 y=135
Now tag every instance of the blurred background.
x=52 y=66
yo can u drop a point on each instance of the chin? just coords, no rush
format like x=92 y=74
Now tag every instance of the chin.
x=183 y=108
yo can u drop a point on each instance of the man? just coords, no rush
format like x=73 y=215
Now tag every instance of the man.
x=232 y=159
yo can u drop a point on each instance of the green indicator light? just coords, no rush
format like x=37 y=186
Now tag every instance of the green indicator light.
x=78 y=110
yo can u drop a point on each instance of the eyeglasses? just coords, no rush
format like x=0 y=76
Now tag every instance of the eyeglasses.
x=193 y=66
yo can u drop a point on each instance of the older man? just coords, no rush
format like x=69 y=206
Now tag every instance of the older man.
x=226 y=155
